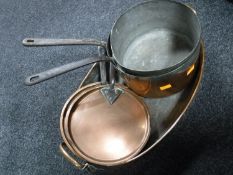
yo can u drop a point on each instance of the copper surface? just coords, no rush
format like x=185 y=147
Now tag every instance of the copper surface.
x=190 y=69
x=107 y=134
x=151 y=88
x=64 y=109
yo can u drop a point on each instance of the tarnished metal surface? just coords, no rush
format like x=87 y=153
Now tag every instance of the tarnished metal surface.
x=157 y=49
x=155 y=37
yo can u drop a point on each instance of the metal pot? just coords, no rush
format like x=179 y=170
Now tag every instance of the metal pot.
x=154 y=46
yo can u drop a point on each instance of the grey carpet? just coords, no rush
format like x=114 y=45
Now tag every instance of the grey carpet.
x=202 y=143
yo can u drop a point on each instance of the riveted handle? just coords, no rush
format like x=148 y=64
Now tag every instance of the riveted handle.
x=74 y=162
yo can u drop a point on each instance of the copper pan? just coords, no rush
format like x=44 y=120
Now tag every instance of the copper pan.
x=100 y=133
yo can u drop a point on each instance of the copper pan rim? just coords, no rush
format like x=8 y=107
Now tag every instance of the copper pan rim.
x=68 y=138
x=64 y=109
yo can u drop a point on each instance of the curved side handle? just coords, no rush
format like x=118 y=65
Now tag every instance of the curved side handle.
x=62 y=42
x=77 y=164
x=37 y=78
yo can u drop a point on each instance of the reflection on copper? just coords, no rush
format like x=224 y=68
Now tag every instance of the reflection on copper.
x=190 y=69
x=142 y=87
x=116 y=147
x=107 y=134
x=167 y=86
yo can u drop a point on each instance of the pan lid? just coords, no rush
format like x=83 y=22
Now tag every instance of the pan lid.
x=103 y=133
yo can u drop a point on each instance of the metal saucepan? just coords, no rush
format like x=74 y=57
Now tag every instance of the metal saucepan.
x=154 y=46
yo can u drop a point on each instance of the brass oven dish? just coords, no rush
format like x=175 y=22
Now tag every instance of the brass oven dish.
x=164 y=112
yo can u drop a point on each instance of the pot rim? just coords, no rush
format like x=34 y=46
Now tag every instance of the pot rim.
x=159 y=71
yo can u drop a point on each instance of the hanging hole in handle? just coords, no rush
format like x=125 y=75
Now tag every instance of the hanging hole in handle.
x=30 y=40
x=34 y=78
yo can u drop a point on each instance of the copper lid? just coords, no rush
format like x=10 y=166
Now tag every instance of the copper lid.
x=106 y=134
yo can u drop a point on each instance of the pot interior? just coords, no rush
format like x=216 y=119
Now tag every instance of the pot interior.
x=155 y=35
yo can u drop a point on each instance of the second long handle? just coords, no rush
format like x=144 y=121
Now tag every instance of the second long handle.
x=37 y=78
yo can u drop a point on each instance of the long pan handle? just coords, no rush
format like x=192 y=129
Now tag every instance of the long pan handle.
x=37 y=78
x=61 y=42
